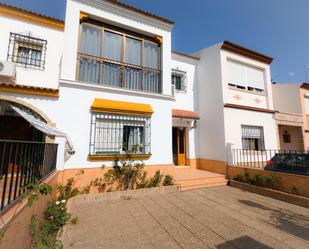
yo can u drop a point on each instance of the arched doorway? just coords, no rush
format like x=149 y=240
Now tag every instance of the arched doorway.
x=14 y=127
x=25 y=156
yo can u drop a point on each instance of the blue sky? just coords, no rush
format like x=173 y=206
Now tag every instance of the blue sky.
x=278 y=28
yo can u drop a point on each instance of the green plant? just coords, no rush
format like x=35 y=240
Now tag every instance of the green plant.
x=67 y=191
x=41 y=237
x=168 y=180
x=268 y=181
x=57 y=215
x=37 y=189
x=123 y=175
x=155 y=180
x=99 y=183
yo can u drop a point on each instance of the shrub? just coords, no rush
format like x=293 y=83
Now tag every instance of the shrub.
x=168 y=180
x=267 y=181
x=155 y=180
x=37 y=189
x=67 y=191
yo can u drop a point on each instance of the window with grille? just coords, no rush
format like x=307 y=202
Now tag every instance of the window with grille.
x=252 y=137
x=113 y=134
x=179 y=80
x=27 y=51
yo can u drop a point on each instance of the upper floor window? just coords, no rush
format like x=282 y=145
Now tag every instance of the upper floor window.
x=114 y=57
x=27 y=51
x=245 y=77
x=252 y=137
x=179 y=80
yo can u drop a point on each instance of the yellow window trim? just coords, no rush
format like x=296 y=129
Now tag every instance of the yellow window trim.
x=121 y=107
x=29 y=91
x=118 y=157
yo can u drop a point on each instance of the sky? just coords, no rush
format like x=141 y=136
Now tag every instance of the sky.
x=278 y=28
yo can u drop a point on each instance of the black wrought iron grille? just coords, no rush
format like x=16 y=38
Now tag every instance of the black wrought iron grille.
x=21 y=163
x=179 y=80
x=27 y=51
x=116 y=134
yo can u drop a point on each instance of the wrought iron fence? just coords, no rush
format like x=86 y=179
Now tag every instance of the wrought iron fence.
x=21 y=163
x=291 y=161
x=106 y=72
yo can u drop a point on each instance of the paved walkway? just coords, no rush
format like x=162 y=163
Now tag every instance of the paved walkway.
x=218 y=217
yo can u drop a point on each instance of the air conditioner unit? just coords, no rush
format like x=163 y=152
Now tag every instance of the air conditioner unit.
x=7 y=69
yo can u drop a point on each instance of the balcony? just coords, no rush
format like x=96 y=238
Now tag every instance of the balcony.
x=105 y=72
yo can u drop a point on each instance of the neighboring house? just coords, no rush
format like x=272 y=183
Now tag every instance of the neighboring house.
x=235 y=103
x=291 y=102
x=109 y=81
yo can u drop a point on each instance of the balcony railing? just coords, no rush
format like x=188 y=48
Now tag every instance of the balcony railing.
x=21 y=163
x=110 y=73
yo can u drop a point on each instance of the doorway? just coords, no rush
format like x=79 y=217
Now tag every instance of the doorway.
x=179 y=146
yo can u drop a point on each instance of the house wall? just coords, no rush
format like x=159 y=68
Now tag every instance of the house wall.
x=241 y=97
x=302 y=93
x=234 y=118
x=187 y=101
x=109 y=13
x=296 y=137
x=284 y=92
x=43 y=78
x=210 y=106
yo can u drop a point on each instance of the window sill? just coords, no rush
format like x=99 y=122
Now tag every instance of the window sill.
x=247 y=91
x=118 y=157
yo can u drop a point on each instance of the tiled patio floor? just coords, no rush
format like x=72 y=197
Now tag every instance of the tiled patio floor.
x=218 y=217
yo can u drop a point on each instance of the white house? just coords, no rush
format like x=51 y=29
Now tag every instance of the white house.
x=235 y=103
x=108 y=80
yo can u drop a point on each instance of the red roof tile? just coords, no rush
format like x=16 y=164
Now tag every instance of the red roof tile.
x=177 y=113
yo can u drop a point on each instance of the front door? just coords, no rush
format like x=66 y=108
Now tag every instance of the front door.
x=179 y=145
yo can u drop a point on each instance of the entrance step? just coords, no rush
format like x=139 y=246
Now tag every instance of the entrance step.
x=194 y=179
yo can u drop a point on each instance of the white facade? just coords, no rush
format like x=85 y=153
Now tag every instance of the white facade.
x=49 y=77
x=224 y=108
x=206 y=93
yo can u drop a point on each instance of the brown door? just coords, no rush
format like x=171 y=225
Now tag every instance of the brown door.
x=179 y=145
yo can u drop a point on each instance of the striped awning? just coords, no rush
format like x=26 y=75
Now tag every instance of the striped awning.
x=121 y=107
x=178 y=113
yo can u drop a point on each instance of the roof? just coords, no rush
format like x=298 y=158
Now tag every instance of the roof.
x=31 y=16
x=305 y=85
x=8 y=84
x=178 y=113
x=121 y=107
x=140 y=11
x=232 y=47
x=185 y=55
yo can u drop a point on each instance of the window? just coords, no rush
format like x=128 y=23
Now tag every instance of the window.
x=113 y=134
x=114 y=57
x=179 y=80
x=252 y=137
x=27 y=51
x=245 y=77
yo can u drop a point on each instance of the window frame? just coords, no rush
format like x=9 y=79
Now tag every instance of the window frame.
x=103 y=27
x=247 y=87
x=17 y=41
x=120 y=121
x=183 y=76
x=262 y=138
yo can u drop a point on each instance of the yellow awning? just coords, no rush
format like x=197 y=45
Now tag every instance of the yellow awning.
x=121 y=107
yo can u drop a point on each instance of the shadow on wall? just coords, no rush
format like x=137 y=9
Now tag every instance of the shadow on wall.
x=287 y=221
x=243 y=242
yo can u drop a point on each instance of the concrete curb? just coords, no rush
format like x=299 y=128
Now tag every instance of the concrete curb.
x=293 y=199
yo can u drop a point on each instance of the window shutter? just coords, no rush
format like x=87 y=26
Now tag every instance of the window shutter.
x=236 y=73
x=255 y=78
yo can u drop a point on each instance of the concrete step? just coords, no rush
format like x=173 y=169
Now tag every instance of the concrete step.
x=187 y=184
